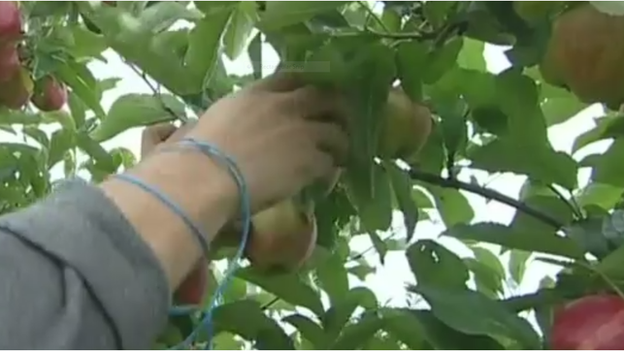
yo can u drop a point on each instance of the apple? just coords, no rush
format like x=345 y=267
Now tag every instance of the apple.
x=16 y=92
x=193 y=288
x=283 y=237
x=405 y=128
x=591 y=323
x=10 y=22
x=9 y=62
x=50 y=94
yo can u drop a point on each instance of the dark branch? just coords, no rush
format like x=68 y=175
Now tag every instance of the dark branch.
x=544 y=297
x=568 y=203
x=487 y=193
x=268 y=305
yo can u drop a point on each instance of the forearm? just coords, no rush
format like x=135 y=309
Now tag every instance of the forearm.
x=93 y=267
x=199 y=185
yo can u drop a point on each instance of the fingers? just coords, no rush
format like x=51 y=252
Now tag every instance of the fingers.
x=280 y=82
x=159 y=132
x=332 y=140
x=324 y=105
x=154 y=135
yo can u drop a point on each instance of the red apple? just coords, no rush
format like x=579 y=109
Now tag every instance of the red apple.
x=50 y=94
x=193 y=288
x=16 y=92
x=10 y=22
x=590 y=323
x=283 y=237
x=9 y=62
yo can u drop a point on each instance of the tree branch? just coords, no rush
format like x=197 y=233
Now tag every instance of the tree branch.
x=568 y=203
x=487 y=193
x=268 y=305
x=543 y=297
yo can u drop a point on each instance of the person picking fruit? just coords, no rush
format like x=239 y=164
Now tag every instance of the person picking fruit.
x=93 y=266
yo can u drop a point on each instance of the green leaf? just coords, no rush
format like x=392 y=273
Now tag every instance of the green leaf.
x=37 y=135
x=239 y=29
x=608 y=168
x=611 y=265
x=124 y=157
x=475 y=314
x=308 y=329
x=78 y=109
x=374 y=205
x=435 y=265
x=391 y=19
x=405 y=326
x=602 y=195
x=210 y=7
x=518 y=260
x=490 y=259
x=333 y=278
x=279 y=14
x=62 y=140
x=518 y=98
x=286 y=286
x=257 y=327
x=402 y=186
x=437 y=12
x=379 y=245
x=609 y=126
x=86 y=43
x=541 y=163
x=355 y=335
x=163 y=15
x=471 y=55
x=549 y=205
x=486 y=280
x=499 y=234
x=254 y=50
x=102 y=159
x=82 y=83
x=205 y=45
x=488 y=271
x=442 y=60
x=421 y=330
x=137 y=110
x=339 y=314
x=362 y=270
x=411 y=58
x=453 y=206
x=559 y=105
x=382 y=342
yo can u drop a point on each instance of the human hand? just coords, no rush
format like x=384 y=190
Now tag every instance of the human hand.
x=162 y=133
x=282 y=133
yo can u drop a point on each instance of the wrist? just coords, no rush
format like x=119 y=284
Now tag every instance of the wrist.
x=198 y=184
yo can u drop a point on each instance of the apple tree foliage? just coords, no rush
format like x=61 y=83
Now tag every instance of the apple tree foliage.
x=495 y=123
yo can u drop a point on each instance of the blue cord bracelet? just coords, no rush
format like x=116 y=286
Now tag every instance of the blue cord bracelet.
x=210 y=151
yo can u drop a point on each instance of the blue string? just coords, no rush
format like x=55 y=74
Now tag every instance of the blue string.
x=210 y=151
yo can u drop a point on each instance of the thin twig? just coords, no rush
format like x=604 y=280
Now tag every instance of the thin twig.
x=156 y=92
x=409 y=35
x=268 y=305
x=487 y=193
x=563 y=199
x=373 y=15
x=543 y=297
x=361 y=254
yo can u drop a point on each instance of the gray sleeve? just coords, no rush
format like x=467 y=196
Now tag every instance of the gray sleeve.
x=75 y=275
